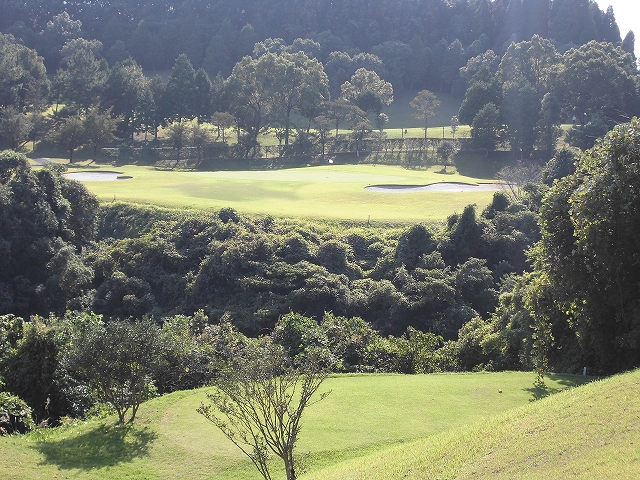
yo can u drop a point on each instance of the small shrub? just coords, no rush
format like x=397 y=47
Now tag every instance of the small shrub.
x=15 y=414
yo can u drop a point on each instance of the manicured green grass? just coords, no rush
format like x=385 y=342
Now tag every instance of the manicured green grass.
x=589 y=432
x=327 y=192
x=363 y=415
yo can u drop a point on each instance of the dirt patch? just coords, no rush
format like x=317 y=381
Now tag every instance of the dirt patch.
x=436 y=187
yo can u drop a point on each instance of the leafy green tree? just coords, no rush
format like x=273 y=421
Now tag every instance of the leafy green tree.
x=178 y=135
x=548 y=125
x=587 y=280
x=425 y=104
x=29 y=371
x=486 y=129
x=14 y=127
x=15 y=414
x=447 y=149
x=248 y=96
x=323 y=125
x=520 y=110
x=415 y=351
x=340 y=66
x=455 y=124
x=100 y=126
x=572 y=22
x=451 y=63
x=484 y=88
x=367 y=88
x=340 y=111
x=259 y=399
x=118 y=53
x=598 y=79
x=218 y=58
x=181 y=91
x=629 y=43
x=396 y=57
x=369 y=103
x=528 y=72
x=203 y=95
x=82 y=79
x=128 y=92
x=57 y=32
x=268 y=89
x=40 y=212
x=21 y=71
x=297 y=334
x=200 y=136
x=69 y=133
x=561 y=165
x=349 y=341
x=222 y=121
x=117 y=360
x=296 y=79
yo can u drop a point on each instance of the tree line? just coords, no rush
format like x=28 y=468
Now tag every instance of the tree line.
x=518 y=100
x=216 y=35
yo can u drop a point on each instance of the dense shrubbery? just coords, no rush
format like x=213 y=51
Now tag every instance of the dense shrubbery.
x=257 y=269
x=45 y=221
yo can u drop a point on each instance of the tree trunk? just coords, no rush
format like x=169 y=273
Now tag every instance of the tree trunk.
x=288 y=465
x=178 y=158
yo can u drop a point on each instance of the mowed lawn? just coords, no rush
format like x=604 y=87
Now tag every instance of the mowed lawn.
x=362 y=415
x=325 y=192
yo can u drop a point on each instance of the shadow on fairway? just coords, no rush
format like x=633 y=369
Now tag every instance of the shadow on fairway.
x=539 y=391
x=103 y=446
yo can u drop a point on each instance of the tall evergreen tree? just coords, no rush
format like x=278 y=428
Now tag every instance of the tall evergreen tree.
x=181 y=90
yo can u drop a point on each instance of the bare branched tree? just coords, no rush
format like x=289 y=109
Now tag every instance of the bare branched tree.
x=258 y=401
x=519 y=175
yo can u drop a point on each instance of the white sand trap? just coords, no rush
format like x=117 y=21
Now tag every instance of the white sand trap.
x=437 y=187
x=96 y=176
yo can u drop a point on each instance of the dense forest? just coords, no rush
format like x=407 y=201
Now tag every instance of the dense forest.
x=217 y=34
x=519 y=68
x=545 y=277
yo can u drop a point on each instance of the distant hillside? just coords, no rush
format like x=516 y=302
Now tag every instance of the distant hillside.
x=415 y=39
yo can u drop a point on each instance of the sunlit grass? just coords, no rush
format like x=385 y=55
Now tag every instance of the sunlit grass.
x=590 y=432
x=323 y=192
x=364 y=414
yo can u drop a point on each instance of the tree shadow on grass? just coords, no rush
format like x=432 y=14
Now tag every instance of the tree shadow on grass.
x=103 y=446
x=541 y=390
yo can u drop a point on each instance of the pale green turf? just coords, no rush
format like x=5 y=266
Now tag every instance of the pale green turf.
x=590 y=432
x=329 y=192
x=363 y=414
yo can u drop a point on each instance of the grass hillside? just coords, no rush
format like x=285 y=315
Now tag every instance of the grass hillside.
x=588 y=432
x=352 y=429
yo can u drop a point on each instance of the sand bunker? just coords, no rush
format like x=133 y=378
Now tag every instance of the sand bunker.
x=436 y=187
x=96 y=176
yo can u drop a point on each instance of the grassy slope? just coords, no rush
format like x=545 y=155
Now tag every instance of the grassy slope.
x=590 y=432
x=364 y=414
x=335 y=192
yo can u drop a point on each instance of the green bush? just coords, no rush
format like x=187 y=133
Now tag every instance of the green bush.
x=15 y=414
